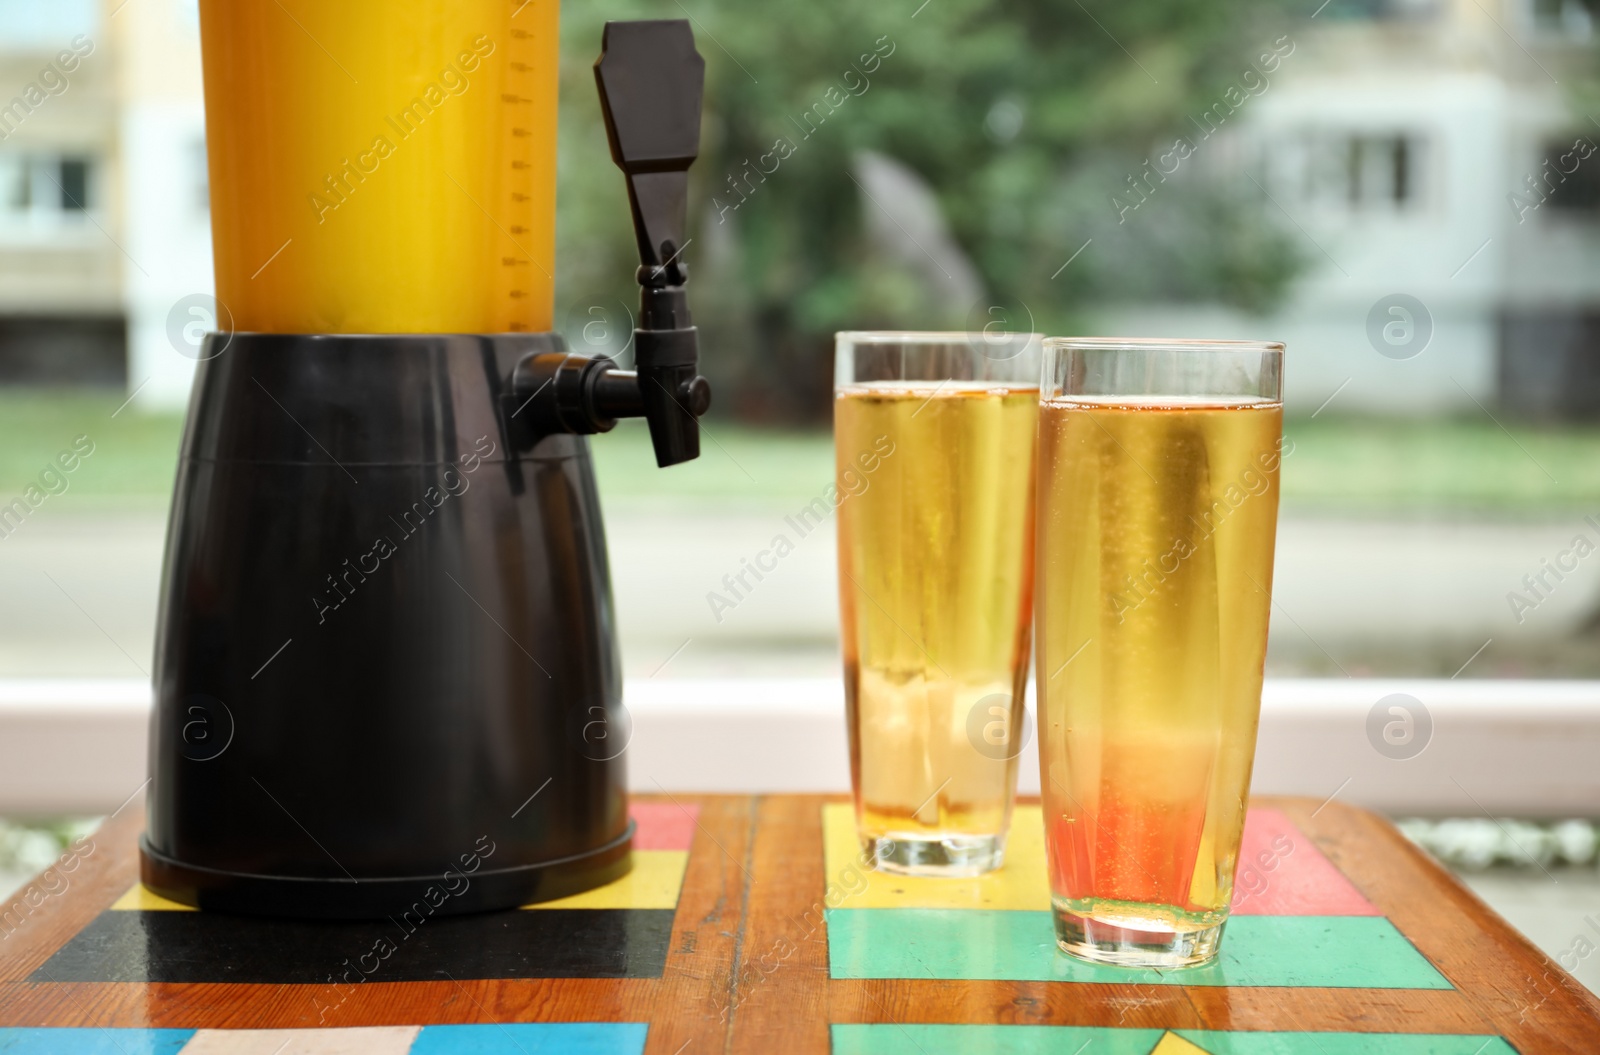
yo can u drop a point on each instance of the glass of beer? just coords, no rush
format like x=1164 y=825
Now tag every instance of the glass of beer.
x=1158 y=510
x=934 y=436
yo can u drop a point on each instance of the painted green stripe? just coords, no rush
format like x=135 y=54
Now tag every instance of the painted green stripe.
x=1343 y=952
x=1064 y=1040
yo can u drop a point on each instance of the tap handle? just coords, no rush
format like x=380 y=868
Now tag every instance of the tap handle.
x=651 y=82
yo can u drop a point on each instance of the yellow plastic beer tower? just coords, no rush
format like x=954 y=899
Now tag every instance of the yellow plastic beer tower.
x=382 y=167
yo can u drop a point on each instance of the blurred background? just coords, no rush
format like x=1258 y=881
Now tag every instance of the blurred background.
x=1406 y=192
x=1400 y=190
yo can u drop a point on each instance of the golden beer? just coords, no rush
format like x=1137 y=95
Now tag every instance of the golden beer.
x=1156 y=528
x=399 y=176
x=935 y=583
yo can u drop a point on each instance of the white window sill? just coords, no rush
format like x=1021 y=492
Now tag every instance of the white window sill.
x=1523 y=748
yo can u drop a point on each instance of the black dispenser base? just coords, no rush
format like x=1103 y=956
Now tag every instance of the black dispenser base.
x=386 y=672
x=378 y=897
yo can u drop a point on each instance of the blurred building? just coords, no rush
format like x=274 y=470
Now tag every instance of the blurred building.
x=103 y=221
x=1418 y=148
x=61 y=274
x=1424 y=149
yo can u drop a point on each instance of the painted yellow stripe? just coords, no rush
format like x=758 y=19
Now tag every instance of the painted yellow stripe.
x=1172 y=1044
x=1021 y=883
x=141 y=900
x=655 y=882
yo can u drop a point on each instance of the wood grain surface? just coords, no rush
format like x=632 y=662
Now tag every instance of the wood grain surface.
x=748 y=967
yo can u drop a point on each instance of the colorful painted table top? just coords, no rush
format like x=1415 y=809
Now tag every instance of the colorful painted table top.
x=749 y=924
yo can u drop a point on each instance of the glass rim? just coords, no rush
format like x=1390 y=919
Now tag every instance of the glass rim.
x=933 y=336
x=936 y=384
x=1158 y=344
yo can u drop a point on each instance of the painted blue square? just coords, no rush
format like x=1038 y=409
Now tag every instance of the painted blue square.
x=533 y=1038
x=30 y=1040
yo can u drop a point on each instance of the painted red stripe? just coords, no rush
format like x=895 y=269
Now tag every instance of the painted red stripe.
x=1282 y=873
x=663 y=825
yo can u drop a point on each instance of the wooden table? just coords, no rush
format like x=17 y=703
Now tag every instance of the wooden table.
x=739 y=932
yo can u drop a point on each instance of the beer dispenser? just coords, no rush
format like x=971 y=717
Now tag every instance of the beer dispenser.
x=386 y=667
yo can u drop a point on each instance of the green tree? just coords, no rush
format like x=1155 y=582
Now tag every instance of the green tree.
x=1024 y=118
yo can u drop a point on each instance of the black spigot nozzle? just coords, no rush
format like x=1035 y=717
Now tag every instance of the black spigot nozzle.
x=651 y=80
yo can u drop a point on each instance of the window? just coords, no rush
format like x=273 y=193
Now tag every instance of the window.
x=1350 y=172
x=74 y=185
x=1574 y=192
x=42 y=190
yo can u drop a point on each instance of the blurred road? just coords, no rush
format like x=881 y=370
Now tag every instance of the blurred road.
x=78 y=592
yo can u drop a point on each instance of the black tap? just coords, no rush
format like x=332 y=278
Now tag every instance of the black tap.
x=651 y=80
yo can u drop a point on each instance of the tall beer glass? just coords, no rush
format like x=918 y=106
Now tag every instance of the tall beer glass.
x=934 y=435
x=1158 y=510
